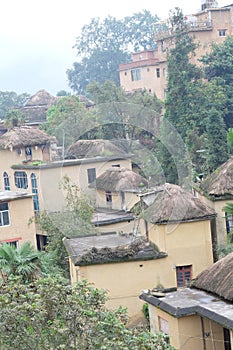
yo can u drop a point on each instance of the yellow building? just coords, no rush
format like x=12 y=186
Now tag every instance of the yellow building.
x=148 y=69
x=197 y=318
x=182 y=242
x=16 y=209
x=217 y=191
x=118 y=188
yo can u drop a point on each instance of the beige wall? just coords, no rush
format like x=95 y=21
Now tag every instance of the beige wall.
x=217 y=205
x=131 y=199
x=120 y=227
x=124 y=281
x=186 y=333
x=49 y=180
x=21 y=210
x=186 y=244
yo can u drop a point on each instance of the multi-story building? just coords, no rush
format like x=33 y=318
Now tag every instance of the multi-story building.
x=148 y=69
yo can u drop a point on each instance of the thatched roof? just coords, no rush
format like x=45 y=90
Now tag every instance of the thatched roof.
x=220 y=183
x=173 y=204
x=117 y=179
x=35 y=109
x=41 y=98
x=218 y=278
x=93 y=148
x=24 y=136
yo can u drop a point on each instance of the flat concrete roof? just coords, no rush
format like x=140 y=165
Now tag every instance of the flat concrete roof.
x=191 y=301
x=114 y=247
x=71 y=162
x=105 y=217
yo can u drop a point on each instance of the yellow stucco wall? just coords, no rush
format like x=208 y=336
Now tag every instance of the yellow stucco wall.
x=186 y=244
x=123 y=281
x=120 y=227
x=186 y=333
x=21 y=210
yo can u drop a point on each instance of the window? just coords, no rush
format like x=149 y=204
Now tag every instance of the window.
x=91 y=175
x=125 y=73
x=229 y=222
x=164 y=72
x=116 y=165
x=136 y=74
x=222 y=32
x=6 y=181
x=35 y=192
x=28 y=153
x=183 y=275
x=157 y=72
x=4 y=214
x=162 y=45
x=21 y=180
x=109 y=198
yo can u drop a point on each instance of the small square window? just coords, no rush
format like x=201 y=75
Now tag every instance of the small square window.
x=183 y=275
x=222 y=32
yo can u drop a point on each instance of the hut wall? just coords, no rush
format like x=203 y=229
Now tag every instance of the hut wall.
x=186 y=243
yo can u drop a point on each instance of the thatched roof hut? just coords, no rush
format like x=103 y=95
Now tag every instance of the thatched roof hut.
x=24 y=136
x=218 y=278
x=174 y=204
x=93 y=148
x=220 y=183
x=35 y=109
x=119 y=179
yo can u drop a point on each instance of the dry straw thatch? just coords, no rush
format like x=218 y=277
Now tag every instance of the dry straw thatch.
x=24 y=136
x=218 y=278
x=93 y=148
x=220 y=183
x=117 y=179
x=173 y=204
x=35 y=109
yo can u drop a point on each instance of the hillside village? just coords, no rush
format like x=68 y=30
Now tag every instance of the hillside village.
x=152 y=243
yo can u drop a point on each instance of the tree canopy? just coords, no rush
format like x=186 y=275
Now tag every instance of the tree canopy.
x=104 y=44
x=50 y=314
x=10 y=100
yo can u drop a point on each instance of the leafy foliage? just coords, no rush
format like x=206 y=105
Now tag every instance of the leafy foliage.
x=67 y=120
x=50 y=314
x=23 y=262
x=10 y=100
x=219 y=65
x=104 y=44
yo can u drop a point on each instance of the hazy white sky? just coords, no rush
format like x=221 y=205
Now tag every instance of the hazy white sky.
x=36 y=37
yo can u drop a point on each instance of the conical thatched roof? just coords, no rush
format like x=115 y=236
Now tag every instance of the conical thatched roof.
x=117 y=179
x=173 y=204
x=220 y=183
x=24 y=136
x=35 y=109
x=218 y=278
x=93 y=148
x=41 y=98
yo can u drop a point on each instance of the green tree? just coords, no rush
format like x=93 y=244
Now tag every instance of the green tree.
x=104 y=44
x=23 y=262
x=49 y=314
x=14 y=117
x=219 y=65
x=230 y=140
x=10 y=100
x=68 y=119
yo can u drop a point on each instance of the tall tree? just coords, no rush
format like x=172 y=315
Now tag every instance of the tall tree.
x=68 y=119
x=219 y=65
x=10 y=100
x=104 y=44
